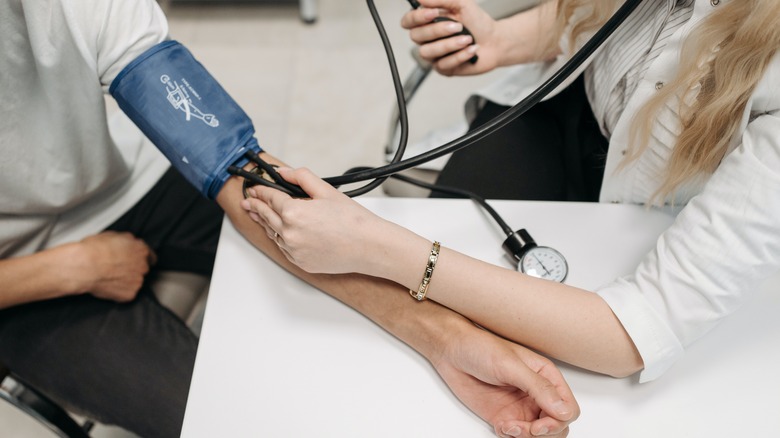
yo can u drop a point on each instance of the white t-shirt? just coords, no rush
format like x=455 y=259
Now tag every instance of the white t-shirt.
x=67 y=168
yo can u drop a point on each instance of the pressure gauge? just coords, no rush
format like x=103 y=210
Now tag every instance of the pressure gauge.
x=534 y=260
x=544 y=262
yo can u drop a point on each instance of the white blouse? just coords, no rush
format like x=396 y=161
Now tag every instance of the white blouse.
x=724 y=243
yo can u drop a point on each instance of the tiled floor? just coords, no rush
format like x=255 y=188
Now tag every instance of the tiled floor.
x=320 y=95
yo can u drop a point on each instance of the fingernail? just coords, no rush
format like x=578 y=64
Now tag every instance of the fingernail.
x=464 y=39
x=454 y=27
x=245 y=204
x=252 y=192
x=514 y=431
x=430 y=13
x=542 y=431
x=561 y=410
x=472 y=48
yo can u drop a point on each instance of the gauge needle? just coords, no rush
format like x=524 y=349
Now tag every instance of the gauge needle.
x=541 y=264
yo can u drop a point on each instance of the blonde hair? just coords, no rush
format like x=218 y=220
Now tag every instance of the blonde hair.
x=721 y=63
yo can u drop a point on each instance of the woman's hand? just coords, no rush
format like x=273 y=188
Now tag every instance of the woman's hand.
x=328 y=233
x=439 y=43
x=520 y=393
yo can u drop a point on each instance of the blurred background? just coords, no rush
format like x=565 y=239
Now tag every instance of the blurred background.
x=320 y=94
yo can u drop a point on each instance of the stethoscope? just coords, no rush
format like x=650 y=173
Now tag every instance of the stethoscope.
x=536 y=260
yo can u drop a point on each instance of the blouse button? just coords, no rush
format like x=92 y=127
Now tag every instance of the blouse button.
x=659 y=84
x=714 y=2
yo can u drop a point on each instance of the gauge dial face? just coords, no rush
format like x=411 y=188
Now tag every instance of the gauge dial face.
x=544 y=262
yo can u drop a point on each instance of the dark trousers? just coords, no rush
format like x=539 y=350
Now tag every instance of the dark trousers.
x=553 y=152
x=124 y=364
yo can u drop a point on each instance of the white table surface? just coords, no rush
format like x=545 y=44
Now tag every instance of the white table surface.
x=278 y=358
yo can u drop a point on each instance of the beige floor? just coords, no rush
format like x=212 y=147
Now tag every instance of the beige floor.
x=320 y=95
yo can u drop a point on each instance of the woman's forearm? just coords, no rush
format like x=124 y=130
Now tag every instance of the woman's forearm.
x=527 y=36
x=565 y=322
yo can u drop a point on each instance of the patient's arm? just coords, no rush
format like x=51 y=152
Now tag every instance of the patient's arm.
x=109 y=265
x=505 y=384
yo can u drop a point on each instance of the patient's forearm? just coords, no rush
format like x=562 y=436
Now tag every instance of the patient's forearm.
x=37 y=277
x=417 y=324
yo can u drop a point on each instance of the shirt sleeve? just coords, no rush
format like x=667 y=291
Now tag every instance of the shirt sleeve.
x=723 y=245
x=127 y=29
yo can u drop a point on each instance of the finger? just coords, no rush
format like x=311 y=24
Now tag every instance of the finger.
x=151 y=257
x=549 y=426
x=418 y=17
x=560 y=411
x=441 y=4
x=456 y=60
x=435 y=31
x=514 y=429
x=309 y=182
x=522 y=429
x=286 y=254
x=442 y=48
x=263 y=214
x=256 y=218
x=273 y=198
x=566 y=405
x=276 y=237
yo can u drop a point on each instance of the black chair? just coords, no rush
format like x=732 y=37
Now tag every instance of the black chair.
x=30 y=401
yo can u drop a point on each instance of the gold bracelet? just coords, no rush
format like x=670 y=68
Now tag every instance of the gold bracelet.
x=419 y=295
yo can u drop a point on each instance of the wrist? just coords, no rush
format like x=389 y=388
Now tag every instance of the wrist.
x=75 y=272
x=512 y=47
x=437 y=330
x=525 y=37
x=401 y=256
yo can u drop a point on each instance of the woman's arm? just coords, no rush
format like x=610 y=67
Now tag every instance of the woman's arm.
x=520 y=38
x=509 y=386
x=562 y=321
x=571 y=324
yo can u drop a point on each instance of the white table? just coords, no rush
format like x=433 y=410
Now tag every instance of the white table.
x=278 y=358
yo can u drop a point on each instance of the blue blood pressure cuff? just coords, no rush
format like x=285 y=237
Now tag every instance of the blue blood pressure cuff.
x=182 y=109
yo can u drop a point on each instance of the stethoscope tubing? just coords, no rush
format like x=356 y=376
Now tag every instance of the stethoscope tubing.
x=398 y=164
x=557 y=78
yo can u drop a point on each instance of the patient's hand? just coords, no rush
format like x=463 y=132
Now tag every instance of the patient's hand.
x=517 y=391
x=114 y=265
